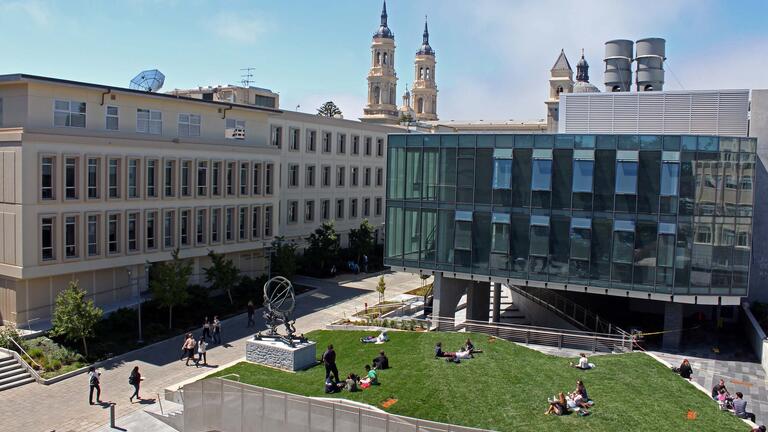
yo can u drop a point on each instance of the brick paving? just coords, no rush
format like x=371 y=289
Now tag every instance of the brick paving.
x=63 y=407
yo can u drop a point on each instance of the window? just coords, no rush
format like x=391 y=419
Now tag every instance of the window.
x=133 y=232
x=149 y=121
x=277 y=136
x=703 y=234
x=215 y=225
x=202 y=178
x=626 y=172
x=581 y=235
x=355 y=145
x=311 y=141
x=294 y=135
x=366 y=177
x=353 y=176
x=379 y=147
x=500 y=227
x=742 y=239
x=229 y=224
x=255 y=222
x=293 y=175
x=47 y=236
x=746 y=182
x=189 y=125
x=367 y=150
x=502 y=169
x=379 y=177
x=186 y=178
x=366 y=207
x=325 y=209
x=341 y=147
x=541 y=174
x=151 y=228
x=339 y=209
x=93 y=235
x=670 y=175
x=230 y=178
x=353 y=208
x=200 y=227
x=730 y=182
x=169 y=222
x=113 y=233
x=113 y=178
x=69 y=114
x=326 y=142
x=184 y=228
x=583 y=172
x=244 y=170
x=93 y=177
x=71 y=178
x=235 y=129
x=293 y=210
x=539 y=237
x=623 y=241
x=152 y=178
x=242 y=223
x=169 y=178
x=268 y=179
x=70 y=237
x=378 y=207
x=112 y=118
x=256 y=179
x=310 y=176
x=463 y=234
x=326 y=180
x=133 y=178
x=268 y=221
x=309 y=211
x=216 y=179
x=47 y=175
x=340 y=172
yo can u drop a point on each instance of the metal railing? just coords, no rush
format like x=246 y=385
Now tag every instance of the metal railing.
x=21 y=351
x=19 y=359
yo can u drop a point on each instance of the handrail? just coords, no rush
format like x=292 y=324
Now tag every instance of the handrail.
x=24 y=364
x=26 y=354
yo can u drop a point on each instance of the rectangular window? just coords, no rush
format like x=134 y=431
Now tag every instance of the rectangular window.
x=293 y=210
x=309 y=211
x=626 y=172
x=169 y=178
x=216 y=179
x=242 y=223
x=268 y=173
x=47 y=176
x=113 y=233
x=94 y=177
x=256 y=179
x=244 y=168
x=189 y=125
x=368 y=141
x=230 y=178
x=379 y=177
x=583 y=173
x=353 y=172
x=539 y=239
x=152 y=178
x=294 y=136
x=70 y=237
x=151 y=230
x=47 y=236
x=311 y=141
x=169 y=226
x=202 y=178
x=340 y=173
x=581 y=238
x=463 y=234
x=229 y=224
x=353 y=208
x=255 y=222
x=623 y=241
x=71 y=178
x=325 y=209
x=113 y=118
x=277 y=136
x=200 y=227
x=293 y=175
x=93 y=235
x=379 y=147
x=366 y=177
x=268 y=221
x=500 y=227
x=342 y=143
x=113 y=178
x=355 y=145
x=541 y=179
x=746 y=182
x=378 y=207
x=326 y=142
x=186 y=178
x=133 y=232
x=149 y=121
x=366 y=207
x=68 y=113
x=502 y=169
x=215 y=225
x=235 y=129
x=670 y=176
x=339 y=209
x=310 y=176
x=326 y=179
x=133 y=178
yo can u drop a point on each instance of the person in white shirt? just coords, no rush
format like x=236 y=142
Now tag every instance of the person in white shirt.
x=583 y=363
x=201 y=352
x=94 y=384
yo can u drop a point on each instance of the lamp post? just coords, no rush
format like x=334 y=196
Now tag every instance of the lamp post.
x=135 y=283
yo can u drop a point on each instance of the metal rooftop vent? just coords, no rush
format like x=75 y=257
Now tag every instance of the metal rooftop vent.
x=148 y=80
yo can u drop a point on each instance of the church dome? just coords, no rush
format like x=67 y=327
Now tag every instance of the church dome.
x=582 y=77
x=585 y=87
x=425 y=48
x=384 y=31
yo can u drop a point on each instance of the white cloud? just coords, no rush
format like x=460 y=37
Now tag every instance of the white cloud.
x=243 y=28
x=34 y=10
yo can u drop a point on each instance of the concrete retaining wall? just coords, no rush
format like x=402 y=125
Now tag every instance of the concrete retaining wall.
x=756 y=336
x=537 y=314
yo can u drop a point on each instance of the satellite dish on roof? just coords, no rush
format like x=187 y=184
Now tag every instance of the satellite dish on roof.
x=148 y=80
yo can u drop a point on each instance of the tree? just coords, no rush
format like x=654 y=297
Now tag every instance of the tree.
x=406 y=118
x=323 y=246
x=381 y=287
x=361 y=239
x=329 y=109
x=222 y=274
x=284 y=258
x=169 y=283
x=75 y=317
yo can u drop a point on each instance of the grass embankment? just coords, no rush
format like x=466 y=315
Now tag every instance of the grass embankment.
x=506 y=387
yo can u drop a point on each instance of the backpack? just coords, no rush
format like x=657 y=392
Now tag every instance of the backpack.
x=94 y=380
x=132 y=379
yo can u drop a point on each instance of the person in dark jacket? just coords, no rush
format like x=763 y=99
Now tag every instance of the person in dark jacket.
x=716 y=389
x=94 y=384
x=685 y=370
x=381 y=362
x=329 y=360
x=135 y=381
x=251 y=313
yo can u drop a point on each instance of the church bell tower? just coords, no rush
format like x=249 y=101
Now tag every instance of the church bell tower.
x=424 y=87
x=382 y=79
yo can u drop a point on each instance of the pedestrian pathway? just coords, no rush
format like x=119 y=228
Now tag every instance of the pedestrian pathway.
x=64 y=406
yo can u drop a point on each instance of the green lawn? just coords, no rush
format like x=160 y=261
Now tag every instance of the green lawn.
x=506 y=387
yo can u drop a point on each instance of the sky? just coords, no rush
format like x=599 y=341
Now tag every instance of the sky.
x=493 y=56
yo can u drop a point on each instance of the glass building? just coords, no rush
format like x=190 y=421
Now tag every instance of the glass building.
x=657 y=214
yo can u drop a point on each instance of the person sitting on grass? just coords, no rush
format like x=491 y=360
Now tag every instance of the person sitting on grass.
x=463 y=355
x=583 y=363
x=575 y=402
x=381 y=362
x=684 y=370
x=580 y=389
x=330 y=386
x=469 y=346
x=380 y=339
x=371 y=378
x=557 y=406
x=350 y=384
x=716 y=389
x=440 y=353
x=724 y=400
x=740 y=408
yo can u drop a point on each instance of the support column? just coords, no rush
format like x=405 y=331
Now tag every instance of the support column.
x=478 y=301
x=673 y=323
x=496 y=302
x=447 y=292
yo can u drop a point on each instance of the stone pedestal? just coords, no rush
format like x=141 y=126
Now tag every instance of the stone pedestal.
x=280 y=355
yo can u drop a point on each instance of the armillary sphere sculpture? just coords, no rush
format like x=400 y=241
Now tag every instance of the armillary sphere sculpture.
x=279 y=304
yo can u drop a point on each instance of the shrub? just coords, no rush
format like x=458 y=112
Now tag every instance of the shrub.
x=36 y=353
x=54 y=365
x=9 y=333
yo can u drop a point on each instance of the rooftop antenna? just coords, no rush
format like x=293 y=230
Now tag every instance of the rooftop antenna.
x=149 y=80
x=247 y=76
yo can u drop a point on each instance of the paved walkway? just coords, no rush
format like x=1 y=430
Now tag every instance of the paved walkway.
x=63 y=406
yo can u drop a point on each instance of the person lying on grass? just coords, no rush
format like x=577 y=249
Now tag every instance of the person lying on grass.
x=380 y=339
x=371 y=378
x=558 y=405
x=583 y=363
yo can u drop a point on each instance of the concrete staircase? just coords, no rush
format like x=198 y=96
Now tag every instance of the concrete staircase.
x=12 y=374
x=510 y=314
x=173 y=415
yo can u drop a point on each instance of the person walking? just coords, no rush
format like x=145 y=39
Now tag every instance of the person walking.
x=189 y=346
x=329 y=360
x=202 y=346
x=206 y=328
x=94 y=384
x=135 y=381
x=216 y=329
x=184 y=349
x=251 y=312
